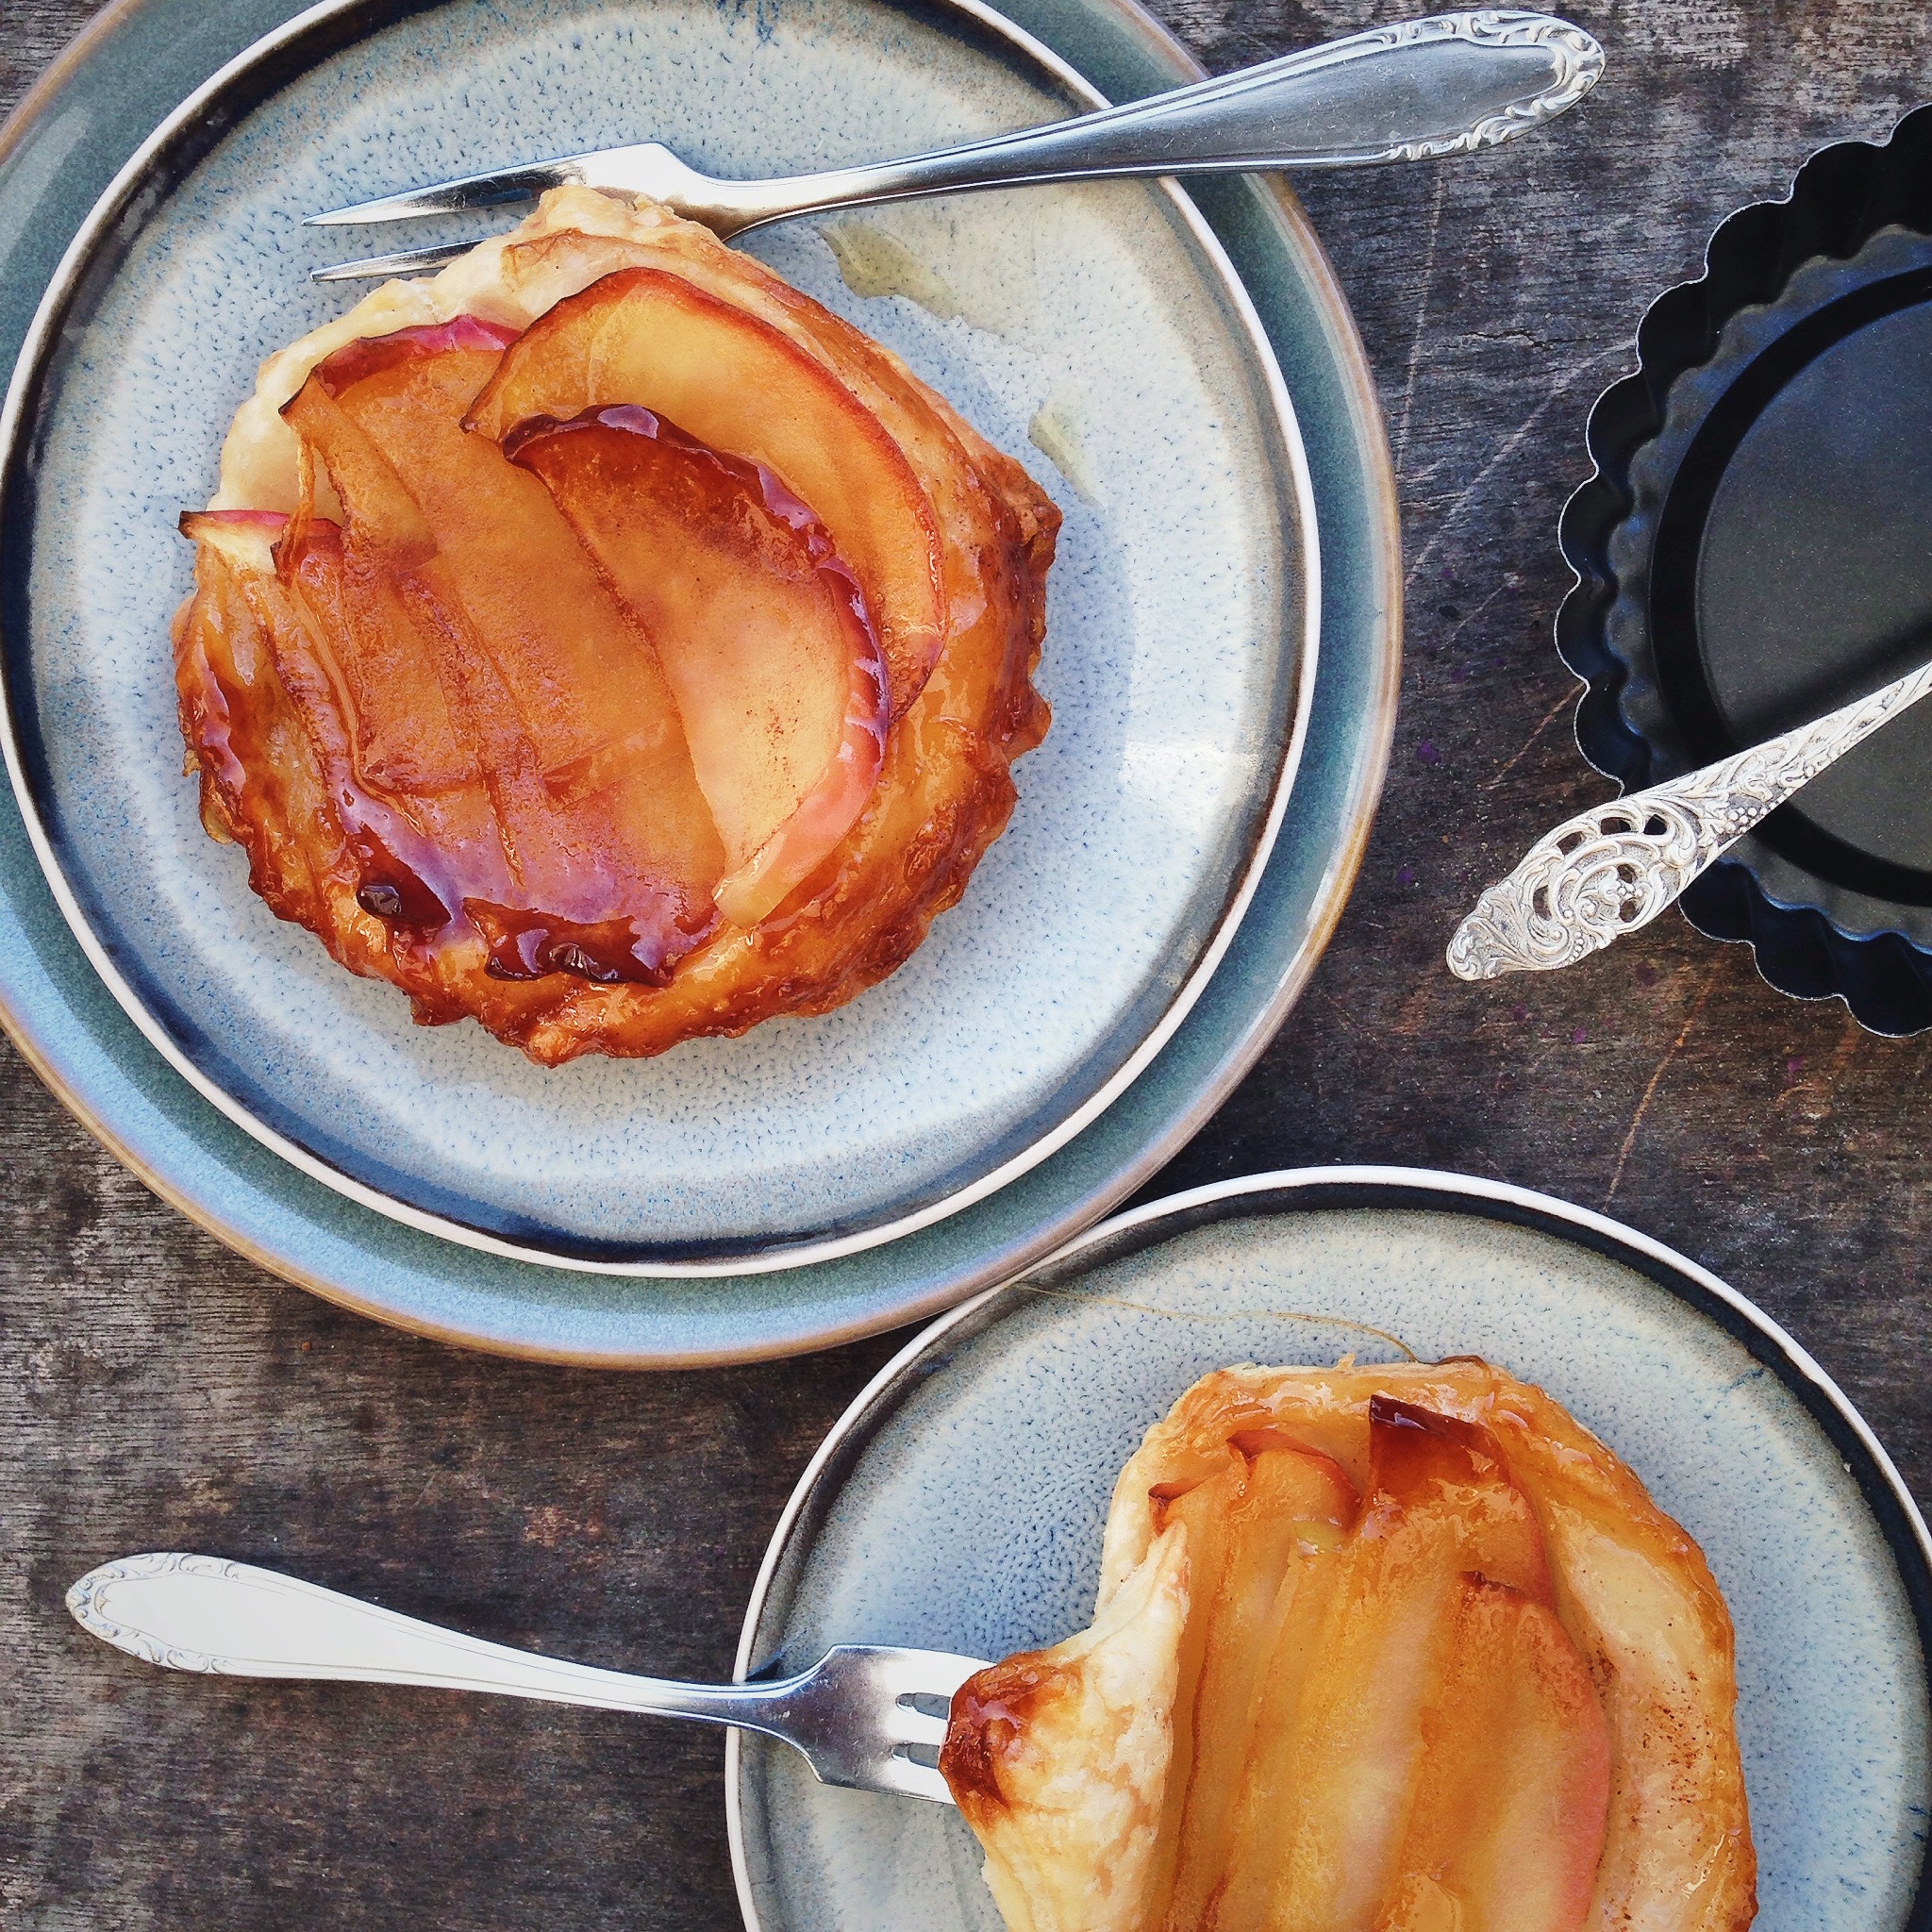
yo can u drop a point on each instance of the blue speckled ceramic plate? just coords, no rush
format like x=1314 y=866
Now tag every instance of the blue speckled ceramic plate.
x=65 y=141
x=1097 y=330
x=959 y=1506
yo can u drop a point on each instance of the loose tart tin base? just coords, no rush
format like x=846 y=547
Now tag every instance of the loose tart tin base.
x=62 y=148
x=1756 y=548
x=959 y=1504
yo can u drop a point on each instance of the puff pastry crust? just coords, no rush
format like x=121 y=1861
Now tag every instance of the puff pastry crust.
x=1376 y=1650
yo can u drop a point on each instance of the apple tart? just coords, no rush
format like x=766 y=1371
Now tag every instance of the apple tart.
x=603 y=639
x=1376 y=1650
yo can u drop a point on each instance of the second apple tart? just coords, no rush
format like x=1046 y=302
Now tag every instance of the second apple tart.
x=1376 y=1650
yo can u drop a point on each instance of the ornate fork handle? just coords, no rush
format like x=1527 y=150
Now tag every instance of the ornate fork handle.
x=1616 y=866
x=1448 y=85
x=849 y=1714
x=1451 y=84
x=227 y=1619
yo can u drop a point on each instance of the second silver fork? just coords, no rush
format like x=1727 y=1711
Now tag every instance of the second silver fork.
x=854 y=1715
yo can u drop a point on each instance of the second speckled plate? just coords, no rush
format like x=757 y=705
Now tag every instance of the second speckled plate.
x=1101 y=325
x=959 y=1506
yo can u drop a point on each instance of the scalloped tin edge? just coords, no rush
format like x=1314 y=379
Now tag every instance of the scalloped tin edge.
x=1839 y=947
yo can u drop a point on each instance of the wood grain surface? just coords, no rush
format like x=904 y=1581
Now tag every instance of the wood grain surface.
x=158 y=1392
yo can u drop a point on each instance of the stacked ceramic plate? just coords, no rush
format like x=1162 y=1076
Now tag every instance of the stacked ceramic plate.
x=1221 y=664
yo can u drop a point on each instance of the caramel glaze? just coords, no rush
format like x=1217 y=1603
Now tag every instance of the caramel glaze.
x=1412 y=1450
x=990 y=1715
x=396 y=831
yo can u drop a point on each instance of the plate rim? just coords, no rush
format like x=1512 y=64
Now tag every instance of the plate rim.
x=1890 y=1502
x=198 y=124
x=190 y=1157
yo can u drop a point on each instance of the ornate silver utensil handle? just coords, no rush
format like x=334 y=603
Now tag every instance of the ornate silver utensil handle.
x=1450 y=84
x=853 y=1714
x=1615 y=867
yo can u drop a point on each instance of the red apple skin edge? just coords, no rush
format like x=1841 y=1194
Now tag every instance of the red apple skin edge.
x=243 y=532
x=369 y=355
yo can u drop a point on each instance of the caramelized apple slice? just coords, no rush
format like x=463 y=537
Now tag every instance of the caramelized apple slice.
x=1648 y=1618
x=407 y=743
x=760 y=629
x=1260 y=1800
x=1327 y=1813
x=1510 y=1810
x=737 y=385
x=258 y=771
x=613 y=853
x=379 y=670
x=1424 y=1466
x=1278 y=1548
x=288 y=657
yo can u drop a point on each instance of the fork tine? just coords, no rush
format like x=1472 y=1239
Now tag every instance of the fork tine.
x=404 y=261
x=468 y=190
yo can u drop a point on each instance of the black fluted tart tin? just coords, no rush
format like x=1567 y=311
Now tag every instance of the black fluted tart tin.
x=1756 y=548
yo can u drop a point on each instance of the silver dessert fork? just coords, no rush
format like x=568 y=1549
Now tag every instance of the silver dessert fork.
x=1448 y=85
x=853 y=1714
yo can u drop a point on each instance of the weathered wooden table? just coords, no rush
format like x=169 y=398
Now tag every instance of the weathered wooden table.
x=158 y=1392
